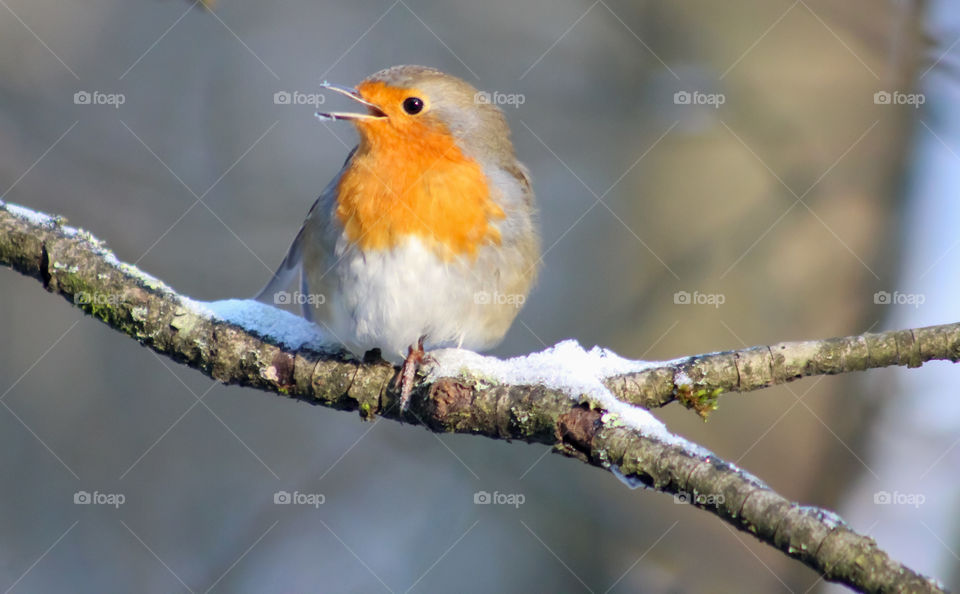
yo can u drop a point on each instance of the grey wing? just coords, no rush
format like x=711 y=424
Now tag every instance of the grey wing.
x=310 y=257
x=290 y=266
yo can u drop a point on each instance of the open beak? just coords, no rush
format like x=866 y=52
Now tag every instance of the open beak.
x=373 y=112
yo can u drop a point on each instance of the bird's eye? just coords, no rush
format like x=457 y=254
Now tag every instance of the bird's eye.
x=413 y=105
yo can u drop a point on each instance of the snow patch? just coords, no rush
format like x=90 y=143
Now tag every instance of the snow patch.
x=290 y=330
x=630 y=481
x=568 y=368
x=32 y=216
x=747 y=475
x=825 y=516
x=39 y=218
x=147 y=280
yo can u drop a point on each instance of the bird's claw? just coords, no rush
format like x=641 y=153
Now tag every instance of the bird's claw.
x=407 y=376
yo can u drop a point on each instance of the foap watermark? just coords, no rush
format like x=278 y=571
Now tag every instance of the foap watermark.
x=898 y=298
x=497 y=298
x=702 y=499
x=898 y=98
x=98 y=498
x=99 y=98
x=497 y=98
x=698 y=298
x=298 y=98
x=298 y=498
x=898 y=498
x=298 y=298
x=85 y=298
x=714 y=100
x=498 y=498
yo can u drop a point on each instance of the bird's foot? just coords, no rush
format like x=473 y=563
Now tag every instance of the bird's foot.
x=416 y=357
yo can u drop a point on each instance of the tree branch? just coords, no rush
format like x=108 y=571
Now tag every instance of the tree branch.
x=697 y=381
x=563 y=397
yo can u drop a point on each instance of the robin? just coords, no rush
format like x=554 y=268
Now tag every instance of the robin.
x=426 y=237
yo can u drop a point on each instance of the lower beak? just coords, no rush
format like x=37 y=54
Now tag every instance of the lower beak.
x=373 y=112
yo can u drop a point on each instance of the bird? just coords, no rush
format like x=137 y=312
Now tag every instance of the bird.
x=428 y=236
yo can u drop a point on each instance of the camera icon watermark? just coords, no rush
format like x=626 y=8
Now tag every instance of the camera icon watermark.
x=498 y=498
x=698 y=298
x=498 y=98
x=101 y=299
x=898 y=298
x=298 y=98
x=98 y=498
x=99 y=98
x=898 y=498
x=298 y=298
x=898 y=98
x=714 y=100
x=497 y=298
x=701 y=499
x=298 y=498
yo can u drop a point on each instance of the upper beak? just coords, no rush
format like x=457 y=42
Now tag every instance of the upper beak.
x=373 y=112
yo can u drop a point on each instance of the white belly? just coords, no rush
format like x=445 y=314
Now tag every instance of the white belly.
x=389 y=299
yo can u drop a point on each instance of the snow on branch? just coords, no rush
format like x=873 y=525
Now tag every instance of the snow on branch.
x=583 y=403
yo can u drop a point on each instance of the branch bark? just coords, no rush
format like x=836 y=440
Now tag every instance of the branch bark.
x=75 y=264
x=697 y=381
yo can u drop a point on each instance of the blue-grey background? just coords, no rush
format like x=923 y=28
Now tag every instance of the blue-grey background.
x=797 y=200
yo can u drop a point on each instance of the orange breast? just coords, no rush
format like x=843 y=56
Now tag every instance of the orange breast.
x=415 y=181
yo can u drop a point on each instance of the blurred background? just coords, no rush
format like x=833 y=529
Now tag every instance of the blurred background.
x=790 y=166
